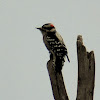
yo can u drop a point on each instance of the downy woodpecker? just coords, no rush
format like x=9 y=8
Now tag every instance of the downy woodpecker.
x=55 y=44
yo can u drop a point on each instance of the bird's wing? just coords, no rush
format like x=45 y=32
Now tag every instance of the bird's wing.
x=64 y=49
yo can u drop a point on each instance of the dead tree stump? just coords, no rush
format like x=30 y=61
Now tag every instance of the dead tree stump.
x=86 y=72
x=57 y=83
x=86 y=75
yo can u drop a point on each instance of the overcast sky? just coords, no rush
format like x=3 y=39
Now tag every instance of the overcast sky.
x=23 y=56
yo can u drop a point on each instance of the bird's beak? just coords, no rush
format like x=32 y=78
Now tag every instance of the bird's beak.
x=38 y=28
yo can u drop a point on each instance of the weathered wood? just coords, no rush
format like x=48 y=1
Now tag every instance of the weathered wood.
x=57 y=83
x=86 y=72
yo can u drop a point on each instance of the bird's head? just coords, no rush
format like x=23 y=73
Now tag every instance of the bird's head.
x=47 y=28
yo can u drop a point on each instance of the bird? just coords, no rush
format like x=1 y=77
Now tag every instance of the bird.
x=55 y=45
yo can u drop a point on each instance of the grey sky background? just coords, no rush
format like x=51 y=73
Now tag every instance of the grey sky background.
x=23 y=56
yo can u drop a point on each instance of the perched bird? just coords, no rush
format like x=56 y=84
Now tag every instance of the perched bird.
x=55 y=44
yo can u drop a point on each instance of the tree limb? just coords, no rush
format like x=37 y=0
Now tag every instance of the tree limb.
x=86 y=72
x=57 y=82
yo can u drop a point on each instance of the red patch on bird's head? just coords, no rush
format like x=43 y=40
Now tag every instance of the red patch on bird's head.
x=51 y=25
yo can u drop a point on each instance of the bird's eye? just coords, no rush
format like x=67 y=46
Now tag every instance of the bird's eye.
x=48 y=28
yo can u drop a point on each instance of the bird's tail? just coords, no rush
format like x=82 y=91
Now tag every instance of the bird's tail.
x=68 y=58
x=59 y=64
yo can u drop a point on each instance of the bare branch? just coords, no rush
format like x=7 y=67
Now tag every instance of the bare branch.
x=86 y=71
x=57 y=83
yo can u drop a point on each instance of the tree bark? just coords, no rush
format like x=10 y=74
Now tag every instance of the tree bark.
x=86 y=75
x=86 y=72
x=57 y=83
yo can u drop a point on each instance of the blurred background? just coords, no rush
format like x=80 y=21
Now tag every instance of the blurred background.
x=23 y=56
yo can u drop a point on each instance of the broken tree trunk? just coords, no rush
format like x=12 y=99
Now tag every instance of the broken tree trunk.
x=86 y=75
x=86 y=72
x=57 y=83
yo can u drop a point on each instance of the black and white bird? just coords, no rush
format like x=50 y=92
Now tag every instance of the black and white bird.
x=55 y=44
